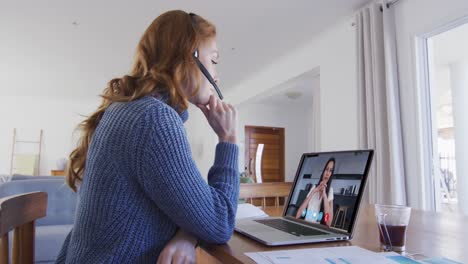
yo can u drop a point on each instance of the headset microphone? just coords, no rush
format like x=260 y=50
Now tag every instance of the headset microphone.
x=207 y=74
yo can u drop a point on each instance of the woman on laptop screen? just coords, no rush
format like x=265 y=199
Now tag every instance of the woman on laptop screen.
x=318 y=205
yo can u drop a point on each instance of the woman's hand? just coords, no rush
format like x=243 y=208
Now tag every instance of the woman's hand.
x=299 y=212
x=322 y=186
x=179 y=250
x=222 y=117
x=324 y=195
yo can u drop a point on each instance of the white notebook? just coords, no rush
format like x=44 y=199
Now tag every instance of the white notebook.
x=247 y=210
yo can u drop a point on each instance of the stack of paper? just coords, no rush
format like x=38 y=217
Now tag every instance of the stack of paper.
x=247 y=210
x=329 y=255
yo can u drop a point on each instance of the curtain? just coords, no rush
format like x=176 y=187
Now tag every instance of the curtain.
x=379 y=118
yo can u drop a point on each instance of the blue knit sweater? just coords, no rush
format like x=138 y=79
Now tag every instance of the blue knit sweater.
x=141 y=184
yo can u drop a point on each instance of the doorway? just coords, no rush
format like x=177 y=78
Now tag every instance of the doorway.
x=264 y=153
x=444 y=78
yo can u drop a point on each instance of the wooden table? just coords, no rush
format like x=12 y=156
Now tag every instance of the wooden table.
x=429 y=234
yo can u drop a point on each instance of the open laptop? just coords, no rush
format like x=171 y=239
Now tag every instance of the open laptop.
x=341 y=176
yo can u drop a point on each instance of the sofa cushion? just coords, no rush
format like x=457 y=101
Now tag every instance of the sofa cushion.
x=61 y=201
x=22 y=177
x=5 y=178
x=49 y=241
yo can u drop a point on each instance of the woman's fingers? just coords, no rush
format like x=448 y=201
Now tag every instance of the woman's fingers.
x=219 y=105
x=222 y=117
x=233 y=109
x=212 y=103
x=165 y=257
x=226 y=107
x=178 y=259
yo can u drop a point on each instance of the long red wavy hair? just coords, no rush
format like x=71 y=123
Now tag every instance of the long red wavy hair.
x=163 y=65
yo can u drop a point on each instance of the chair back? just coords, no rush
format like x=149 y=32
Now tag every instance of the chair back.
x=266 y=190
x=61 y=202
x=18 y=213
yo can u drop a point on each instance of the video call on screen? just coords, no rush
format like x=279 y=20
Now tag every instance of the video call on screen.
x=332 y=177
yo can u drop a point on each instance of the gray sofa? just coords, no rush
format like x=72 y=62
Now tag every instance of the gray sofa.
x=61 y=204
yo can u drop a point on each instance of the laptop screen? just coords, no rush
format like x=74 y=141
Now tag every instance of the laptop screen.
x=328 y=188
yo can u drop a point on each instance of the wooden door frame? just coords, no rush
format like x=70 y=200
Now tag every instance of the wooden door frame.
x=282 y=150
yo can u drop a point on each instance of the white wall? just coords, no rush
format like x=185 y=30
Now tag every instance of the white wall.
x=295 y=119
x=415 y=18
x=297 y=131
x=333 y=51
x=58 y=117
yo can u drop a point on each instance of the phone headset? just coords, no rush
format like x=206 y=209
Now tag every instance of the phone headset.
x=200 y=65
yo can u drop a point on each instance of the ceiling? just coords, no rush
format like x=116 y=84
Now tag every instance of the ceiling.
x=73 y=48
x=301 y=88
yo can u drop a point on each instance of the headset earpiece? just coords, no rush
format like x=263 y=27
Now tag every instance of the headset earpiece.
x=202 y=68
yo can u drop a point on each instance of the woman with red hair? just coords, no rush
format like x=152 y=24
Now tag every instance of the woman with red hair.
x=141 y=196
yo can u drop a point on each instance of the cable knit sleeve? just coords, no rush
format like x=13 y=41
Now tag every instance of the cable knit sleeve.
x=170 y=177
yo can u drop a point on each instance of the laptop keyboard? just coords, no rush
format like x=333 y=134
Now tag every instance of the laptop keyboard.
x=290 y=227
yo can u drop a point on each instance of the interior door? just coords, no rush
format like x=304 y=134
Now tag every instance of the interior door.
x=272 y=158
